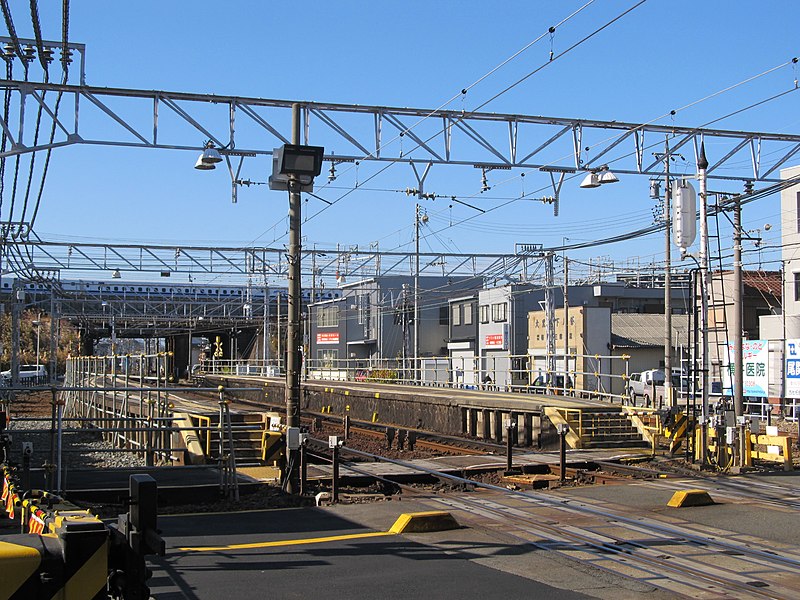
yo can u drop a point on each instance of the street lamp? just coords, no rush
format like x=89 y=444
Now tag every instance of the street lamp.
x=209 y=158
x=294 y=167
x=597 y=177
x=38 y=323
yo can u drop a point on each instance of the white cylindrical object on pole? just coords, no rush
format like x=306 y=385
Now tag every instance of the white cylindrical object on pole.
x=684 y=215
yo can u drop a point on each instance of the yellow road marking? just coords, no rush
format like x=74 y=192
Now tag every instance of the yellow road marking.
x=320 y=540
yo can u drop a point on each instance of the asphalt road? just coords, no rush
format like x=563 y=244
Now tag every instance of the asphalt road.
x=383 y=567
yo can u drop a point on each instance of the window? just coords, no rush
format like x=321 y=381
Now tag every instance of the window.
x=468 y=313
x=484 y=313
x=499 y=312
x=327 y=316
x=797 y=211
x=456 y=314
x=363 y=308
x=444 y=316
x=327 y=357
x=797 y=287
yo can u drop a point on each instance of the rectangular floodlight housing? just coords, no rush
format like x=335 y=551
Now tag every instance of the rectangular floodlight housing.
x=296 y=159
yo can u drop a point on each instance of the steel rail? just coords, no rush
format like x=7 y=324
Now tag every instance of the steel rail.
x=555 y=534
x=588 y=510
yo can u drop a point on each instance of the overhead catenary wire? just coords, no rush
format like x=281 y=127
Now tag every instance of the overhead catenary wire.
x=388 y=166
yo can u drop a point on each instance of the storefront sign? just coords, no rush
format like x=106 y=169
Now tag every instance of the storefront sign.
x=494 y=340
x=792 y=369
x=755 y=360
x=328 y=337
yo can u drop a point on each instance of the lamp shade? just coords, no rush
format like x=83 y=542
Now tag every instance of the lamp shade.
x=592 y=180
x=203 y=165
x=211 y=155
x=608 y=177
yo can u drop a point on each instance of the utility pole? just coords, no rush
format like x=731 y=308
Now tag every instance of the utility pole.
x=17 y=297
x=566 y=322
x=667 y=281
x=702 y=165
x=738 y=359
x=416 y=293
x=293 y=340
x=550 y=319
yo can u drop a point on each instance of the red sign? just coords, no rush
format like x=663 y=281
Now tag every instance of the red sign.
x=328 y=337
x=494 y=340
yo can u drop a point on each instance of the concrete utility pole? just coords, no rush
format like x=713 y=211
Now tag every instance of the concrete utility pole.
x=416 y=293
x=738 y=359
x=668 y=396
x=566 y=323
x=293 y=341
x=550 y=319
x=702 y=165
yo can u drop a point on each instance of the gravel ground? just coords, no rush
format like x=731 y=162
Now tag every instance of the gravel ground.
x=31 y=421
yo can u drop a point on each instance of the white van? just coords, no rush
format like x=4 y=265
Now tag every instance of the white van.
x=640 y=385
x=28 y=375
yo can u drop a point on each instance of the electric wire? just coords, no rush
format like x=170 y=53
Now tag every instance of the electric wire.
x=386 y=167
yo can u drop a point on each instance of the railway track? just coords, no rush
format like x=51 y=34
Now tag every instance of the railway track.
x=682 y=558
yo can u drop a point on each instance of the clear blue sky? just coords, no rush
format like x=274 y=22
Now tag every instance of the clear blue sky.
x=662 y=56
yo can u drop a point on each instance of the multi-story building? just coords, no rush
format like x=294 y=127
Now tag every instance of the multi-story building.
x=374 y=320
x=462 y=344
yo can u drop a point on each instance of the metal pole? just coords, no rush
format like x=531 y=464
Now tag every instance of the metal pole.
x=702 y=164
x=509 y=446
x=566 y=324
x=738 y=359
x=667 y=283
x=293 y=331
x=17 y=296
x=550 y=320
x=416 y=294
x=335 y=475
x=38 y=336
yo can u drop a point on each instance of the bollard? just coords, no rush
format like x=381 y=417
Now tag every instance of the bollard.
x=509 y=444
x=335 y=475
x=390 y=433
x=562 y=434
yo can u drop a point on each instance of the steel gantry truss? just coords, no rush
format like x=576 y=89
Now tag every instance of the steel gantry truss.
x=237 y=264
x=245 y=127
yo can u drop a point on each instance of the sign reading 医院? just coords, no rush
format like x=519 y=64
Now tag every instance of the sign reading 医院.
x=755 y=361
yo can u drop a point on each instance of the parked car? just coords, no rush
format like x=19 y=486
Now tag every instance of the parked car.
x=28 y=375
x=556 y=386
x=640 y=385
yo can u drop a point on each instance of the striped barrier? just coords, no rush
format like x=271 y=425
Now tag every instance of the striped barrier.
x=676 y=430
x=70 y=563
x=272 y=446
x=69 y=553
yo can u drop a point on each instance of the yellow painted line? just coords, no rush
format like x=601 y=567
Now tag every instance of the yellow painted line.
x=320 y=540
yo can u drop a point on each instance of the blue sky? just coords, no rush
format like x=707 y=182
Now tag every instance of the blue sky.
x=662 y=56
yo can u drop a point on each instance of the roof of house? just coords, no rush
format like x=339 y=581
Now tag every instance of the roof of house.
x=766 y=282
x=635 y=330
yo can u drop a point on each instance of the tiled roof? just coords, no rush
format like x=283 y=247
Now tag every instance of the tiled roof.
x=766 y=282
x=633 y=330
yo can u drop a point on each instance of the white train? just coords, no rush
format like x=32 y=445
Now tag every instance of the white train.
x=155 y=290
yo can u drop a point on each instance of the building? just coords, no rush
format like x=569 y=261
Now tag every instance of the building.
x=463 y=341
x=588 y=334
x=372 y=324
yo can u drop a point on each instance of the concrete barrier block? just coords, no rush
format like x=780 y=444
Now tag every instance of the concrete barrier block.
x=424 y=522
x=684 y=498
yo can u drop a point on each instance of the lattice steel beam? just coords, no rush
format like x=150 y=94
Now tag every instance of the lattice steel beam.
x=106 y=116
